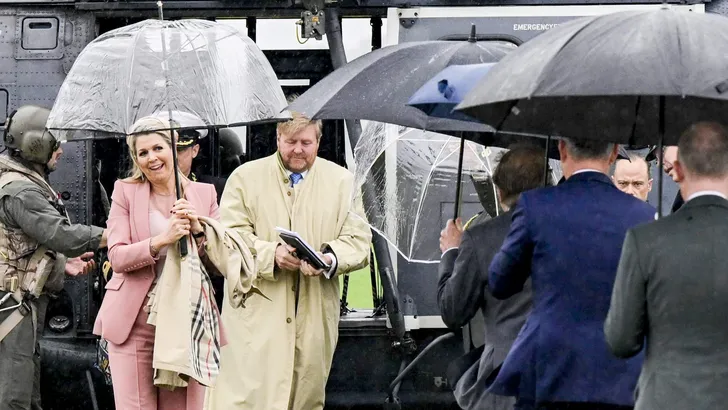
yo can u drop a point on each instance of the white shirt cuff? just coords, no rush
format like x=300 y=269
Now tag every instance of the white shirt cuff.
x=331 y=271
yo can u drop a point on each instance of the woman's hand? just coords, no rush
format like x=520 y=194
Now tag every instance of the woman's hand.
x=177 y=228
x=184 y=209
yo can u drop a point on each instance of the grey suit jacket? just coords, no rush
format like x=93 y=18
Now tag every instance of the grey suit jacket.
x=462 y=291
x=671 y=291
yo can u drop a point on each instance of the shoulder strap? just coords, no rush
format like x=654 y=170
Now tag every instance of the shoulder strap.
x=12 y=166
x=16 y=173
x=12 y=176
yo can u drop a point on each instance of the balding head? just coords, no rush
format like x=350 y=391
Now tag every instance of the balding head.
x=702 y=159
x=632 y=176
x=703 y=150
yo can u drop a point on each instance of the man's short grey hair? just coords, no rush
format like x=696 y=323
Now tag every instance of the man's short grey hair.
x=588 y=149
x=703 y=150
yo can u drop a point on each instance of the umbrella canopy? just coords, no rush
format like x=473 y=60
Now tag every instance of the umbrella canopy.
x=377 y=85
x=204 y=68
x=622 y=77
x=446 y=89
x=440 y=94
x=414 y=191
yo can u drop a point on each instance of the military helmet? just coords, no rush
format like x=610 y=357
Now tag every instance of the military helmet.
x=231 y=150
x=26 y=134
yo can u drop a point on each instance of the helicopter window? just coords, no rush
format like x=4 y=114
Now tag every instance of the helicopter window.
x=3 y=106
x=40 y=33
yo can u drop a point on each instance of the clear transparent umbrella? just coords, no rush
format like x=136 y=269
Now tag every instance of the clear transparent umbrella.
x=415 y=190
x=201 y=67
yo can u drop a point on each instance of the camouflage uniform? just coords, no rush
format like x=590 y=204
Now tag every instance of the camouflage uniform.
x=31 y=217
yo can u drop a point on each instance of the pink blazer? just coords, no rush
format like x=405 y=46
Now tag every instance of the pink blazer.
x=129 y=254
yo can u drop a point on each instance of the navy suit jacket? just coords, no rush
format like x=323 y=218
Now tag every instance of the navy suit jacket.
x=569 y=239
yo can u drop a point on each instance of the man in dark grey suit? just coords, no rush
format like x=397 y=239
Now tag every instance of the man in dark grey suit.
x=672 y=286
x=462 y=288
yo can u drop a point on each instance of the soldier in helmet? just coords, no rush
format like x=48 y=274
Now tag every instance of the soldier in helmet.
x=38 y=246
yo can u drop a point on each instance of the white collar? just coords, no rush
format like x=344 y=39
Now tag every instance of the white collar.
x=704 y=193
x=303 y=174
x=587 y=170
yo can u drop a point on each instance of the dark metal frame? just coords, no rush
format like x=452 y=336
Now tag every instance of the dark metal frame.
x=285 y=8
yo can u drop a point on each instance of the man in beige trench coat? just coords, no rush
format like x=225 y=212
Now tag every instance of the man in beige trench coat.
x=278 y=357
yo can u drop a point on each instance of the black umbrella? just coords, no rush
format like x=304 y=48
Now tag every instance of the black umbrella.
x=611 y=77
x=635 y=77
x=378 y=85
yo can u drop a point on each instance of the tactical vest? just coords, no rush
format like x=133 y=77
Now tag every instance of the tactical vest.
x=24 y=263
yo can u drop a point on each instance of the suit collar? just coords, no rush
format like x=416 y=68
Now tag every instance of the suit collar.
x=705 y=200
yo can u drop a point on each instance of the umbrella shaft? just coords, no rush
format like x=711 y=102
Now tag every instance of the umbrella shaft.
x=546 y=162
x=661 y=131
x=460 y=178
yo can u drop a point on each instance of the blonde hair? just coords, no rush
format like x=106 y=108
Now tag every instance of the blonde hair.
x=152 y=125
x=298 y=122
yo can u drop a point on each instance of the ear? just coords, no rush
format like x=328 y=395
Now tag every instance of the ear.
x=679 y=171
x=614 y=154
x=562 y=150
x=649 y=185
x=195 y=150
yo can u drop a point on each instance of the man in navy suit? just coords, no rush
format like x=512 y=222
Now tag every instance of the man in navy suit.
x=568 y=238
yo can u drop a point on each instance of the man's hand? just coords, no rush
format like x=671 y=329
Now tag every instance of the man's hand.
x=82 y=265
x=309 y=270
x=285 y=260
x=452 y=234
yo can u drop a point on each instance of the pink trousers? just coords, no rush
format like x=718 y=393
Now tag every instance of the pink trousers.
x=133 y=376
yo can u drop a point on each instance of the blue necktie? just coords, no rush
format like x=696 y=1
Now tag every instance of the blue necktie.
x=295 y=178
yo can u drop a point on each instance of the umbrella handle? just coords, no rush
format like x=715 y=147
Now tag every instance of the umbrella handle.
x=178 y=190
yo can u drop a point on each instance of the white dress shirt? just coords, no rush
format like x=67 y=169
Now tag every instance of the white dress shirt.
x=587 y=170
x=703 y=193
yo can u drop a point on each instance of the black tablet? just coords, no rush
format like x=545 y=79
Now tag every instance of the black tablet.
x=303 y=250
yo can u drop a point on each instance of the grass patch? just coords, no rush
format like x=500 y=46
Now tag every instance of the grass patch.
x=359 y=295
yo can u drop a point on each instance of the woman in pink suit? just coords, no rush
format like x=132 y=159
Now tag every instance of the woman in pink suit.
x=144 y=220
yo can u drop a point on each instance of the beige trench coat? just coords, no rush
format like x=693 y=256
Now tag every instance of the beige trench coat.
x=276 y=359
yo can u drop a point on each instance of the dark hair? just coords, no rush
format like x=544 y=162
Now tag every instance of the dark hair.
x=588 y=149
x=632 y=157
x=520 y=169
x=703 y=149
